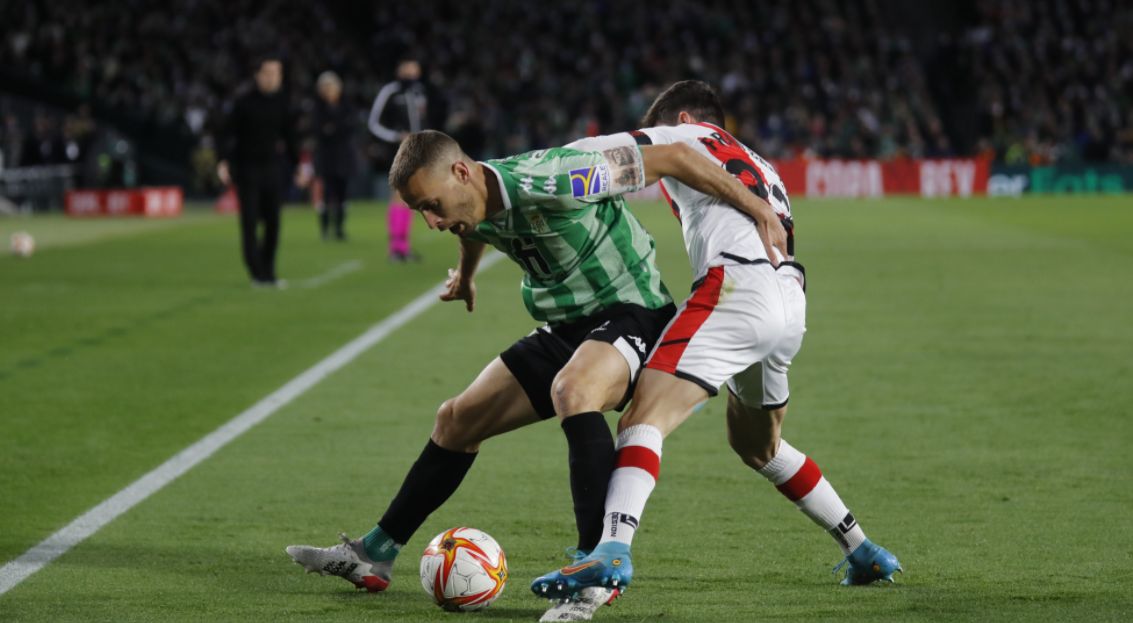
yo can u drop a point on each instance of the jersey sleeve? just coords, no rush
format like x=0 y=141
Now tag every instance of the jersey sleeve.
x=568 y=178
x=660 y=135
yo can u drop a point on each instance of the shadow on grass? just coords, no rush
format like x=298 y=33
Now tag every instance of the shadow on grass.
x=399 y=602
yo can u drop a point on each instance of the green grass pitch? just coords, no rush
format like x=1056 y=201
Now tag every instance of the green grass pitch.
x=966 y=384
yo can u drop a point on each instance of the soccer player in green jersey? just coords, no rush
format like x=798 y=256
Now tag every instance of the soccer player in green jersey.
x=589 y=273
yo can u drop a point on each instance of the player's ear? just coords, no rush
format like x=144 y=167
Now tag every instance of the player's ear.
x=461 y=172
x=684 y=117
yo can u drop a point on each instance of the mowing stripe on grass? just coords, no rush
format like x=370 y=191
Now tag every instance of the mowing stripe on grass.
x=93 y=520
x=115 y=332
x=332 y=274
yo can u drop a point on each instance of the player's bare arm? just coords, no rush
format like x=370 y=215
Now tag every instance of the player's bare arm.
x=459 y=285
x=682 y=163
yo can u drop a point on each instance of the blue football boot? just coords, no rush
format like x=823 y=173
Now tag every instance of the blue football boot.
x=869 y=563
x=608 y=566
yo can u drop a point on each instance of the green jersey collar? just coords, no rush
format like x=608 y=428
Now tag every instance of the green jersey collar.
x=505 y=191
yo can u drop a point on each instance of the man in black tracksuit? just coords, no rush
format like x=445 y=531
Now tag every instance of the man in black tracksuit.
x=257 y=146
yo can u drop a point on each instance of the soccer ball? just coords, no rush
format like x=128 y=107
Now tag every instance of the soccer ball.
x=463 y=569
x=22 y=244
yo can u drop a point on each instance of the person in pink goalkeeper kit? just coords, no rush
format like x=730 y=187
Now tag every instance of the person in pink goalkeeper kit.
x=401 y=107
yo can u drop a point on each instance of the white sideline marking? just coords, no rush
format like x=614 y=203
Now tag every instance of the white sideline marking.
x=93 y=520
x=332 y=274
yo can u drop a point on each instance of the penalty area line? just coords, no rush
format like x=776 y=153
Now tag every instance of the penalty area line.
x=54 y=546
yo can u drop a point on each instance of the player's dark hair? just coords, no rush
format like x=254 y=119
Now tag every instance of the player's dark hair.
x=418 y=151
x=692 y=96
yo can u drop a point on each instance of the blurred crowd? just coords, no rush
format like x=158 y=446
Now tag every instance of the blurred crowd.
x=1021 y=82
x=1054 y=80
x=46 y=137
x=33 y=135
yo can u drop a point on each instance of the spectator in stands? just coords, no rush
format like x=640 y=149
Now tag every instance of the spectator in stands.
x=45 y=145
x=258 y=147
x=12 y=143
x=1125 y=140
x=834 y=78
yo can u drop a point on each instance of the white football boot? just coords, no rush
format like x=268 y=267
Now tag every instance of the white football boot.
x=347 y=560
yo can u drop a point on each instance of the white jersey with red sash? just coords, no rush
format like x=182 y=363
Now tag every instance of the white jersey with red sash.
x=715 y=233
x=744 y=321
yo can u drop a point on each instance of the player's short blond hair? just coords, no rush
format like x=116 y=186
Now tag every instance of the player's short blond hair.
x=421 y=150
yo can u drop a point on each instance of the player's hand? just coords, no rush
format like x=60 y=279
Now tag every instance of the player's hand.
x=223 y=174
x=772 y=234
x=459 y=289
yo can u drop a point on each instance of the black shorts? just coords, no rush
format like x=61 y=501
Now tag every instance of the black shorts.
x=536 y=359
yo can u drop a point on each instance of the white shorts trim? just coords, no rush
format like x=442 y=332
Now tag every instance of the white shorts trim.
x=630 y=354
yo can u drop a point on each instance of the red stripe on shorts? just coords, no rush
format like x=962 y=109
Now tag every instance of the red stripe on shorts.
x=802 y=483
x=673 y=343
x=641 y=458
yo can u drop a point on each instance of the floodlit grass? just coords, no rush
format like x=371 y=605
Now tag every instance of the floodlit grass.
x=965 y=384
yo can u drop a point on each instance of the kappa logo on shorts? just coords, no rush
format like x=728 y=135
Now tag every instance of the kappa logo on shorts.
x=640 y=343
x=589 y=181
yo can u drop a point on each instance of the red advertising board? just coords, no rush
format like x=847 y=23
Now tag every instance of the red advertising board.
x=150 y=202
x=958 y=177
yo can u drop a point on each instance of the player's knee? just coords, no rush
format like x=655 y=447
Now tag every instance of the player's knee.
x=572 y=395
x=444 y=424
x=452 y=428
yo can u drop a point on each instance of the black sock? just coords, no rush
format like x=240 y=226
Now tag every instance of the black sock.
x=591 y=461
x=432 y=479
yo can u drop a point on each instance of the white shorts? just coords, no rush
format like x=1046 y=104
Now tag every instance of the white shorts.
x=743 y=324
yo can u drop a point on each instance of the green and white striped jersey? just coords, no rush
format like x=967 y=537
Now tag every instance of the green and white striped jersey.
x=565 y=223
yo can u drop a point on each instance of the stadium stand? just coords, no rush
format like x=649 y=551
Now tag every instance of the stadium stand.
x=1039 y=82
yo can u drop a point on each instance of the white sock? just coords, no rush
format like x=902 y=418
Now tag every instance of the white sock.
x=799 y=479
x=635 y=475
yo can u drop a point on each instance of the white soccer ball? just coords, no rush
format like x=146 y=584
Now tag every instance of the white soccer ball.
x=22 y=244
x=463 y=569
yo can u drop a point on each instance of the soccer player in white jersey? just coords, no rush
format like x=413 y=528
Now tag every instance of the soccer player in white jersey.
x=741 y=327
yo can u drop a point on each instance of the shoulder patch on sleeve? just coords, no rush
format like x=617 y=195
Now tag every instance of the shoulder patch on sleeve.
x=589 y=180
